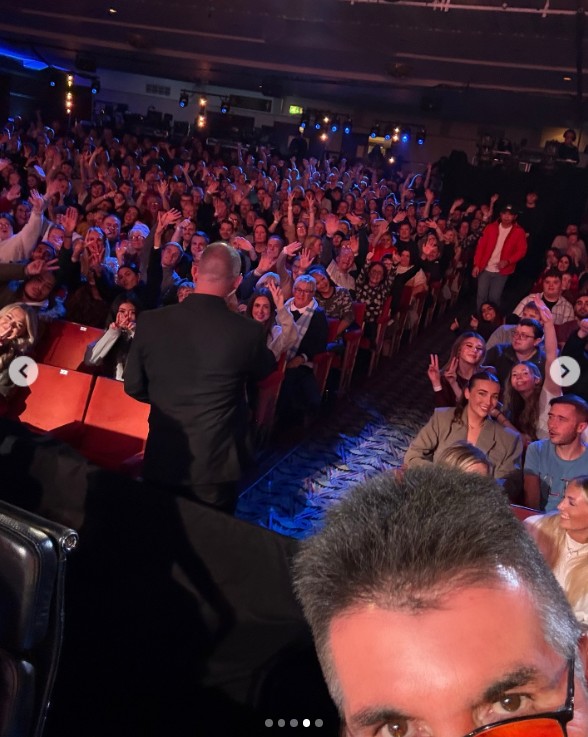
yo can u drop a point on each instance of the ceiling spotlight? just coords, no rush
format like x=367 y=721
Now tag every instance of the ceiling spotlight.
x=324 y=137
x=53 y=80
x=112 y=11
x=95 y=86
x=225 y=107
x=391 y=160
x=347 y=128
x=201 y=121
x=326 y=118
x=202 y=110
x=184 y=98
x=421 y=136
x=335 y=125
x=374 y=131
x=405 y=135
x=388 y=134
x=303 y=122
x=203 y=102
x=397 y=129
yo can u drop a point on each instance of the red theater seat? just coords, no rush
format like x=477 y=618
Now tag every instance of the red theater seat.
x=115 y=425
x=64 y=344
x=57 y=399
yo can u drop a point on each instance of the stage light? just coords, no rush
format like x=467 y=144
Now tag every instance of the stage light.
x=225 y=107
x=324 y=137
x=202 y=102
x=53 y=79
x=317 y=125
x=201 y=121
x=347 y=128
x=184 y=99
x=69 y=102
x=326 y=118
x=388 y=134
x=421 y=136
x=95 y=86
x=405 y=135
x=374 y=131
x=70 y=80
x=335 y=125
x=303 y=122
x=391 y=160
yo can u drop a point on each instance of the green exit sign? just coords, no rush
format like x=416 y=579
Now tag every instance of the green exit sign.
x=295 y=110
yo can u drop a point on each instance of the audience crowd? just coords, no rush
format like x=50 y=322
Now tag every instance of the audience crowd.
x=96 y=228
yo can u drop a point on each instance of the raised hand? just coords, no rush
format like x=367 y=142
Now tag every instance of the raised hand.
x=14 y=192
x=277 y=294
x=474 y=322
x=292 y=248
x=305 y=259
x=40 y=266
x=433 y=371
x=70 y=220
x=450 y=372
x=37 y=202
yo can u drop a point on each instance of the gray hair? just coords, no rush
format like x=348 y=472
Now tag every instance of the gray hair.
x=404 y=543
x=305 y=279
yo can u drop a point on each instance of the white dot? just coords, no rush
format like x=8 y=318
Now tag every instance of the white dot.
x=293 y=722
x=318 y=723
x=306 y=722
x=281 y=722
x=269 y=723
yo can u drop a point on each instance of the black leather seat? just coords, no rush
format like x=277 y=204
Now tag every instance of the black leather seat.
x=32 y=568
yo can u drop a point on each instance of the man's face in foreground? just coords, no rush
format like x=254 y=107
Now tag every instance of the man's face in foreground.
x=478 y=658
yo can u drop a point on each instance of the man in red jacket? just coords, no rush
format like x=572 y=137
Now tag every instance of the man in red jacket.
x=501 y=246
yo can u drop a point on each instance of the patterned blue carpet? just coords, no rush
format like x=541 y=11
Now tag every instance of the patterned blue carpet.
x=365 y=433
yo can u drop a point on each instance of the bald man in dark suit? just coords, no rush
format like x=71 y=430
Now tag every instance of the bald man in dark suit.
x=191 y=362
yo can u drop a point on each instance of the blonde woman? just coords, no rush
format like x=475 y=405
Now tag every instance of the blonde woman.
x=562 y=537
x=18 y=335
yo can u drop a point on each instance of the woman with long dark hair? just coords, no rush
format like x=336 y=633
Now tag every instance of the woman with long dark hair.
x=266 y=306
x=471 y=421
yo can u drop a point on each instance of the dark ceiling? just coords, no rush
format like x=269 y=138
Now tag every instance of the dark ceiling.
x=465 y=58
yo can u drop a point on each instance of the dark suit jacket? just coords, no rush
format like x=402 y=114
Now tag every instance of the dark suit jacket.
x=315 y=338
x=190 y=362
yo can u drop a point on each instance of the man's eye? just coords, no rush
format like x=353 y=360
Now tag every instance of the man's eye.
x=398 y=728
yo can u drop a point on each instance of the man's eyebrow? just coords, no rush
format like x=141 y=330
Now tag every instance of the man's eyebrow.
x=520 y=677
x=374 y=715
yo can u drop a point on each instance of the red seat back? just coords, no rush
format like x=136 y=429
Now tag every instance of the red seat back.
x=64 y=344
x=115 y=425
x=57 y=398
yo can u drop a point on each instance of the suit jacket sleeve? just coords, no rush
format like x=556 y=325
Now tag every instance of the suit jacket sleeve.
x=135 y=377
x=423 y=447
x=508 y=468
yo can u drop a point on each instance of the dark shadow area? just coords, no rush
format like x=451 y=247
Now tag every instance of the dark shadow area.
x=179 y=619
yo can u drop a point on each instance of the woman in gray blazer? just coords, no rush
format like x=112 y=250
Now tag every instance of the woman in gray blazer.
x=471 y=421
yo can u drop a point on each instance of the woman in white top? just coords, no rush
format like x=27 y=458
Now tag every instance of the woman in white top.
x=526 y=398
x=266 y=306
x=562 y=537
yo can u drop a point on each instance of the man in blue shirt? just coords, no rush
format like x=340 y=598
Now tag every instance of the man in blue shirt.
x=552 y=462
